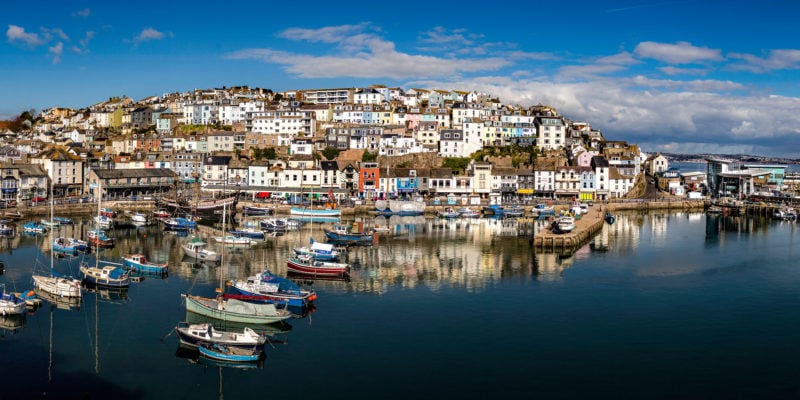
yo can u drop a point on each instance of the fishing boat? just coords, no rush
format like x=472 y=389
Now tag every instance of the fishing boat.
x=139 y=263
x=252 y=210
x=610 y=218
x=313 y=212
x=33 y=227
x=106 y=276
x=10 y=304
x=542 y=211
x=230 y=240
x=179 y=224
x=248 y=232
x=307 y=265
x=56 y=284
x=107 y=212
x=194 y=335
x=271 y=288
x=320 y=251
x=99 y=238
x=225 y=353
x=196 y=248
x=69 y=245
x=343 y=234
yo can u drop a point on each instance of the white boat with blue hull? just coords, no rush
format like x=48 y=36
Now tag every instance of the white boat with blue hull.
x=10 y=304
x=270 y=288
x=312 y=212
x=320 y=251
x=69 y=245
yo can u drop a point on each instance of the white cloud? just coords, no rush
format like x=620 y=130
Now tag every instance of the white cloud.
x=83 y=13
x=670 y=70
x=17 y=34
x=777 y=59
x=83 y=46
x=56 y=51
x=364 y=55
x=55 y=31
x=679 y=53
x=149 y=34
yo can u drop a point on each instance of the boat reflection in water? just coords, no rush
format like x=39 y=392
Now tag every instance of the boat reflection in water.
x=11 y=323
x=60 y=302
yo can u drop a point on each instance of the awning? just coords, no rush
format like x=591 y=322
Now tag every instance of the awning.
x=525 y=191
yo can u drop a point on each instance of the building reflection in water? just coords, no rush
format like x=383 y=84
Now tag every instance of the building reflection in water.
x=434 y=253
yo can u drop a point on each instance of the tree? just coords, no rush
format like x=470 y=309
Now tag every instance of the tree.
x=269 y=153
x=368 y=157
x=330 y=153
x=456 y=163
x=258 y=153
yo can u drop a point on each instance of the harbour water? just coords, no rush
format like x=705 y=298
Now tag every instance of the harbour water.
x=658 y=305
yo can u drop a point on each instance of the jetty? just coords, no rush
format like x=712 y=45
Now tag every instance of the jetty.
x=586 y=226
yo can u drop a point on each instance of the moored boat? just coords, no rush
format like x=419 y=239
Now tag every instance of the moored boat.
x=252 y=210
x=312 y=212
x=248 y=232
x=231 y=240
x=234 y=310
x=610 y=218
x=179 y=224
x=343 y=234
x=140 y=263
x=10 y=304
x=305 y=264
x=106 y=276
x=320 y=251
x=99 y=238
x=194 y=335
x=272 y=288
x=225 y=353
x=196 y=248
x=69 y=245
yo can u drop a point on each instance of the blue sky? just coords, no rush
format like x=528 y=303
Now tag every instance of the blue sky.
x=680 y=76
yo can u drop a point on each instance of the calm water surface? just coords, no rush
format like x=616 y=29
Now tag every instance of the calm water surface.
x=664 y=305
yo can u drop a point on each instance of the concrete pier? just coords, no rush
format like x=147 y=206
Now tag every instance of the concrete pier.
x=585 y=227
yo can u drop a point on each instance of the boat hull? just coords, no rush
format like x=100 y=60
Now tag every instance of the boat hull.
x=255 y=314
x=58 y=286
x=309 y=212
x=220 y=353
x=317 y=268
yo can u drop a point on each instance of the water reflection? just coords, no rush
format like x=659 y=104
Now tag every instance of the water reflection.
x=471 y=253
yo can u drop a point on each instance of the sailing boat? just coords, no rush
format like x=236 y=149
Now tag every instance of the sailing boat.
x=107 y=276
x=55 y=284
x=96 y=235
x=233 y=310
